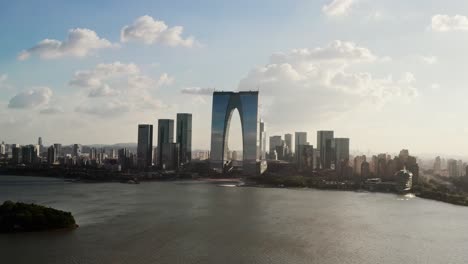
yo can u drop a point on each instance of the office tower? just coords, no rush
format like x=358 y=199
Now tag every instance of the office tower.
x=170 y=156
x=224 y=104
x=300 y=139
x=124 y=158
x=165 y=135
x=39 y=141
x=16 y=153
x=76 y=151
x=275 y=141
x=28 y=154
x=51 y=155
x=452 y=168
x=288 y=142
x=460 y=168
x=365 y=170
x=358 y=160
x=437 y=165
x=184 y=137
x=58 y=150
x=93 y=154
x=2 y=148
x=145 y=146
x=306 y=157
x=325 y=146
x=263 y=140
x=341 y=146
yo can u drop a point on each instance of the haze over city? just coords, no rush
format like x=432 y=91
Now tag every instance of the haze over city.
x=387 y=74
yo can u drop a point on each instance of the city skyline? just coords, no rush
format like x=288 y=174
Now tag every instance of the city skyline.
x=96 y=90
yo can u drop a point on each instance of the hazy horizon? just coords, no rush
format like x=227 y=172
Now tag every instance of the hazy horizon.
x=386 y=74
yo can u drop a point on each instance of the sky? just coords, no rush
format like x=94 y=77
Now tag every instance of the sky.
x=387 y=74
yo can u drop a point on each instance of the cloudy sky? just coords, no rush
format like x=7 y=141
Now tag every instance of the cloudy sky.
x=387 y=74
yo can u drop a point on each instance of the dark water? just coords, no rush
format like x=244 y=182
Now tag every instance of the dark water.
x=189 y=222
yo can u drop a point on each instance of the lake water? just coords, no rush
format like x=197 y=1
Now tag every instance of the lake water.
x=193 y=222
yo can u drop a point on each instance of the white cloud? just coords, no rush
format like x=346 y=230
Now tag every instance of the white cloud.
x=337 y=7
x=431 y=60
x=445 y=23
x=80 y=42
x=149 y=31
x=117 y=88
x=31 y=98
x=324 y=80
x=197 y=91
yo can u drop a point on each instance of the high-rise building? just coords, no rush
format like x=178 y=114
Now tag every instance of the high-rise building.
x=306 y=157
x=300 y=139
x=76 y=151
x=58 y=150
x=275 y=141
x=145 y=146
x=165 y=135
x=358 y=160
x=124 y=159
x=341 y=147
x=28 y=154
x=184 y=137
x=39 y=141
x=16 y=153
x=170 y=156
x=263 y=140
x=2 y=148
x=325 y=146
x=51 y=155
x=437 y=165
x=288 y=142
x=365 y=170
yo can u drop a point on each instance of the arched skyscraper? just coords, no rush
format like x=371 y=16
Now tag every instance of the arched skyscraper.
x=224 y=104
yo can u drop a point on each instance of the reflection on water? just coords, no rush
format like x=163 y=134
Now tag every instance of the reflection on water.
x=192 y=222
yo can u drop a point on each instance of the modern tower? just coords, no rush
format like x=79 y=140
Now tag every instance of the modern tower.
x=184 y=137
x=325 y=146
x=341 y=149
x=76 y=151
x=300 y=140
x=288 y=142
x=145 y=146
x=224 y=104
x=275 y=141
x=165 y=135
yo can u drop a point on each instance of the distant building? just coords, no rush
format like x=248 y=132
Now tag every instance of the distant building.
x=300 y=139
x=58 y=150
x=184 y=137
x=28 y=154
x=263 y=140
x=341 y=146
x=306 y=161
x=452 y=168
x=288 y=141
x=76 y=151
x=170 y=156
x=403 y=180
x=145 y=146
x=365 y=170
x=51 y=155
x=124 y=159
x=165 y=135
x=2 y=148
x=16 y=154
x=275 y=141
x=358 y=160
x=437 y=165
x=325 y=146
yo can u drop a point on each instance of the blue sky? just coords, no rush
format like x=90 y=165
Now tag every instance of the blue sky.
x=387 y=74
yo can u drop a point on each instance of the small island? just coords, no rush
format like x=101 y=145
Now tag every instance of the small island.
x=22 y=217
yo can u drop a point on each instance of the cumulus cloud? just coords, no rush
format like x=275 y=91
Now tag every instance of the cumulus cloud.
x=80 y=42
x=31 y=98
x=149 y=31
x=445 y=23
x=115 y=78
x=337 y=7
x=326 y=81
x=117 y=88
x=197 y=91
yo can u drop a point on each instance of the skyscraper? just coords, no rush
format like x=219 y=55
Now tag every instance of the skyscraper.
x=2 y=148
x=165 y=135
x=51 y=155
x=275 y=141
x=76 y=152
x=341 y=147
x=184 y=137
x=288 y=142
x=300 y=139
x=16 y=153
x=58 y=150
x=145 y=146
x=325 y=146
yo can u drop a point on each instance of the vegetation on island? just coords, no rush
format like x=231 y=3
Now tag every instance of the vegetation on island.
x=440 y=191
x=22 y=217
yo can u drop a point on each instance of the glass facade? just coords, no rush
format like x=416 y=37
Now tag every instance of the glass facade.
x=165 y=135
x=224 y=104
x=145 y=146
x=184 y=137
x=324 y=145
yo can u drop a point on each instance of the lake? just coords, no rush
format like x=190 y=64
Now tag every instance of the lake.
x=198 y=222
